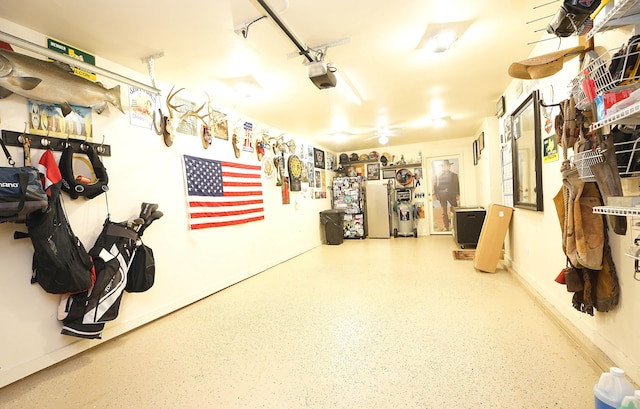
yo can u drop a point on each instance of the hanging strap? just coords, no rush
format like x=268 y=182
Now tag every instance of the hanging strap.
x=7 y=154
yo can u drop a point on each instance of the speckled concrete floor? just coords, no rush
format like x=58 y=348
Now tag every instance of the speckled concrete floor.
x=366 y=324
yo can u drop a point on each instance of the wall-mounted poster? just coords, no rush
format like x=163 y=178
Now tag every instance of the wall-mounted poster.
x=445 y=187
x=331 y=161
x=318 y=158
x=189 y=125
x=247 y=145
x=142 y=103
x=311 y=174
x=47 y=120
x=550 y=146
x=373 y=171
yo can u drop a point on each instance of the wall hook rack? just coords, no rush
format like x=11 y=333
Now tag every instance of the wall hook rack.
x=12 y=138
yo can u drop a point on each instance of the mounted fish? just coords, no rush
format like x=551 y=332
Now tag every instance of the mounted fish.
x=52 y=82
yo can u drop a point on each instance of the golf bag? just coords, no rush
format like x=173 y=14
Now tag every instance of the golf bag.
x=85 y=314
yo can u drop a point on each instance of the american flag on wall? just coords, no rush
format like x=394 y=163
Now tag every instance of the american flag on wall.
x=221 y=193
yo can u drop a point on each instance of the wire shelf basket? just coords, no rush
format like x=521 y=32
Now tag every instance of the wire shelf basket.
x=627 y=154
x=583 y=161
x=605 y=74
x=594 y=79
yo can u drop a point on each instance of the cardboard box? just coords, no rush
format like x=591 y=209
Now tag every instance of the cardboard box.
x=492 y=235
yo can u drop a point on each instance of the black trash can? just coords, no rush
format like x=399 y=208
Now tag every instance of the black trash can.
x=333 y=221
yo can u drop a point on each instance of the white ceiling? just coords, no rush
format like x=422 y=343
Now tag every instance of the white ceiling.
x=399 y=84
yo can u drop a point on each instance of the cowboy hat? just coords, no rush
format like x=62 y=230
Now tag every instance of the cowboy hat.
x=543 y=65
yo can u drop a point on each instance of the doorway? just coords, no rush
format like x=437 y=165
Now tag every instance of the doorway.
x=444 y=192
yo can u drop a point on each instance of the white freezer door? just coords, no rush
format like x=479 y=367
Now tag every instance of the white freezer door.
x=377 y=214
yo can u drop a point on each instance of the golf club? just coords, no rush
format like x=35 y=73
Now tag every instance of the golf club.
x=155 y=215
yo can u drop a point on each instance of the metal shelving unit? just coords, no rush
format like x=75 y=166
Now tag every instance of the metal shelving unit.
x=617 y=211
x=633 y=251
x=624 y=12
x=627 y=116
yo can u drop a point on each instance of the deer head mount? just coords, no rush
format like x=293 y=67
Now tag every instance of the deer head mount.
x=175 y=115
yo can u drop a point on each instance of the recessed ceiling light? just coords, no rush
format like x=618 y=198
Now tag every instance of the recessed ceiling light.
x=439 y=37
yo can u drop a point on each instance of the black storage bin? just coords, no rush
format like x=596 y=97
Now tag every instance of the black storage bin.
x=467 y=225
x=333 y=222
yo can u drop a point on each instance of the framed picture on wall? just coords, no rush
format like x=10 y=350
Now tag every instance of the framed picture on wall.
x=474 y=149
x=318 y=158
x=373 y=171
x=330 y=160
x=500 y=106
x=388 y=173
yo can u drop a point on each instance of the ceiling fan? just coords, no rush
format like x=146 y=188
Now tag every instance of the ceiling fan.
x=383 y=134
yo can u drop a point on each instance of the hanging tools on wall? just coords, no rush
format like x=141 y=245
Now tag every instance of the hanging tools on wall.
x=12 y=138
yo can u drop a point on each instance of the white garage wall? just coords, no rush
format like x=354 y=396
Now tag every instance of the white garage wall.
x=190 y=264
x=534 y=243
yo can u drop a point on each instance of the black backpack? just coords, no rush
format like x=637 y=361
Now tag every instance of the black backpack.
x=142 y=272
x=61 y=264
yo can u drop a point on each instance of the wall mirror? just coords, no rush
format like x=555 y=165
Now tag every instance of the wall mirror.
x=527 y=155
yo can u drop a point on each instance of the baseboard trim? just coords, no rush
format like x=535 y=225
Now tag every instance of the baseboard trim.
x=590 y=351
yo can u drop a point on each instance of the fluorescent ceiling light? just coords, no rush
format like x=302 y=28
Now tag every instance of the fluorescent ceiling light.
x=246 y=86
x=346 y=85
x=439 y=37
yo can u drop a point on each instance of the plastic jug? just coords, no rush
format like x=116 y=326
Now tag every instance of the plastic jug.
x=631 y=402
x=611 y=389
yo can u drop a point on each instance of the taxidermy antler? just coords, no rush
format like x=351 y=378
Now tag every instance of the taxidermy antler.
x=169 y=122
x=214 y=117
x=173 y=119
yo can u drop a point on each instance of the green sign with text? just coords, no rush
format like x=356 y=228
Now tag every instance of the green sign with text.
x=75 y=53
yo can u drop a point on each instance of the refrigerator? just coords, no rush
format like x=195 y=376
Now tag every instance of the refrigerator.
x=348 y=195
x=378 y=211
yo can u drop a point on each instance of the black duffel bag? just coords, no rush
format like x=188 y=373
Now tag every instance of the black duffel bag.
x=21 y=190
